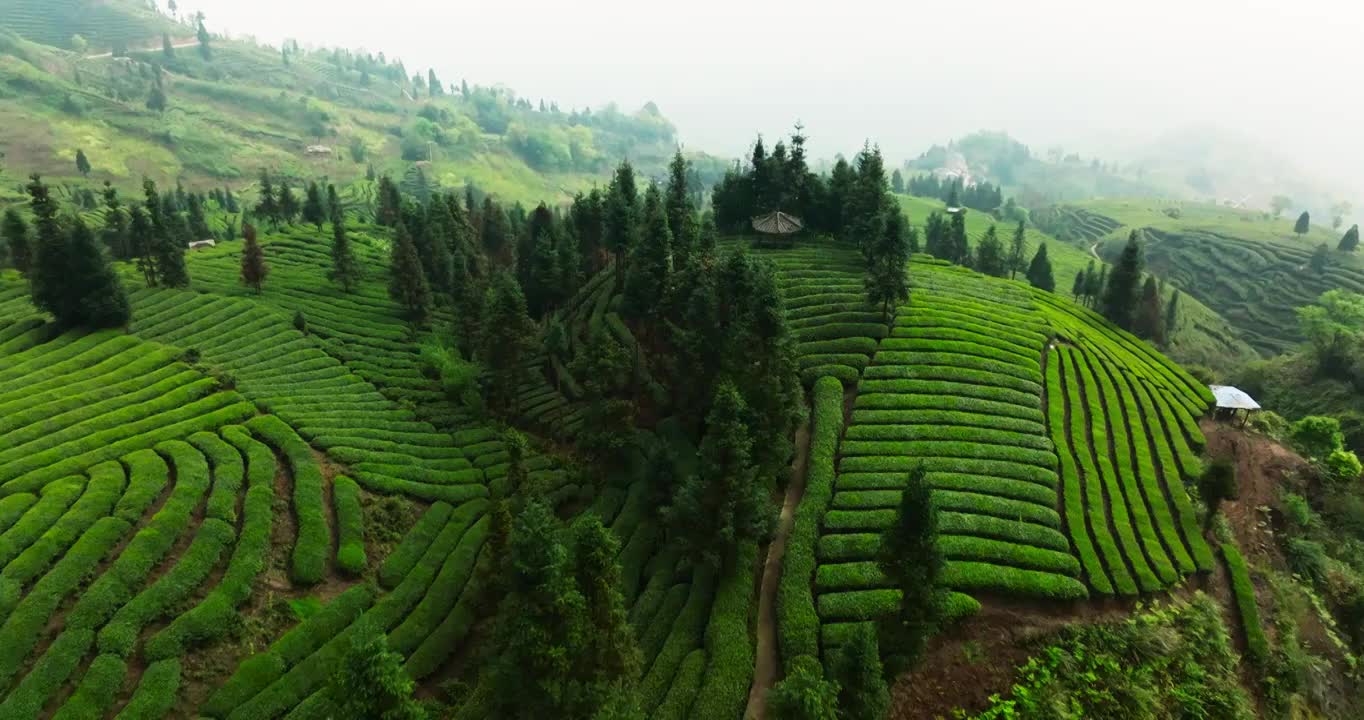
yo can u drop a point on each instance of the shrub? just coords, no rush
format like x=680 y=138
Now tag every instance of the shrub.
x=730 y=668
x=685 y=635
x=350 y=525
x=97 y=690
x=1257 y=645
x=686 y=683
x=156 y=692
x=1343 y=466
x=1316 y=436
x=309 y=559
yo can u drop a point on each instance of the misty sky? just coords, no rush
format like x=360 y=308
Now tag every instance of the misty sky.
x=1091 y=75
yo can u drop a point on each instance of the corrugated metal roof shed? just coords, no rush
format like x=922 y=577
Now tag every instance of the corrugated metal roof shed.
x=1232 y=398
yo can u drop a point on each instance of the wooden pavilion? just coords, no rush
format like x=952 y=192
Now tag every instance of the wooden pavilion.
x=777 y=227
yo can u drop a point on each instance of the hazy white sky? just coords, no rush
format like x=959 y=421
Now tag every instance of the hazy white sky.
x=1081 y=73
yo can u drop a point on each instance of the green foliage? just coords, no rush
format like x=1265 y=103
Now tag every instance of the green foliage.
x=1257 y=645
x=1122 y=287
x=856 y=671
x=1040 y=273
x=350 y=553
x=804 y=694
x=1316 y=436
x=1343 y=466
x=370 y=681
x=909 y=556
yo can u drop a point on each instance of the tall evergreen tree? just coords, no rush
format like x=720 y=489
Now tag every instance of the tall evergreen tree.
x=887 y=273
x=99 y=298
x=369 y=681
x=288 y=204
x=724 y=504
x=990 y=257
x=344 y=271
x=959 y=248
x=313 y=209
x=897 y=182
x=1120 y=294
x=681 y=212
x=622 y=216
x=267 y=207
x=506 y=338
x=198 y=224
x=1320 y=259
x=910 y=557
x=407 y=280
x=856 y=668
x=1172 y=314
x=610 y=652
x=82 y=163
x=496 y=233
x=1350 y=240
x=205 y=50
x=141 y=237
x=648 y=276
x=433 y=84
x=804 y=694
x=1303 y=224
x=1078 y=288
x=69 y=276
x=1149 y=321
x=51 y=253
x=166 y=248
x=15 y=232
x=115 y=224
x=254 y=269
x=1039 y=271
x=390 y=203
x=1018 y=251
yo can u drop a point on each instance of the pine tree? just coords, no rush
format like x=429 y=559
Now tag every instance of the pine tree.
x=1149 y=322
x=856 y=668
x=141 y=237
x=1320 y=258
x=407 y=280
x=496 y=233
x=167 y=49
x=15 y=232
x=622 y=216
x=169 y=233
x=910 y=557
x=99 y=298
x=897 y=182
x=990 y=258
x=610 y=652
x=724 y=504
x=1350 y=240
x=344 y=272
x=267 y=206
x=959 y=249
x=205 y=50
x=288 y=204
x=115 y=224
x=82 y=163
x=198 y=224
x=1018 y=251
x=1121 y=293
x=369 y=681
x=887 y=274
x=649 y=273
x=433 y=84
x=506 y=338
x=804 y=694
x=1077 y=289
x=47 y=272
x=1303 y=224
x=254 y=269
x=156 y=99
x=1039 y=271
x=681 y=212
x=313 y=210
x=1172 y=314
x=544 y=286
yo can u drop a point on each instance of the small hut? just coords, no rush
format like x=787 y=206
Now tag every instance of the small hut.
x=777 y=227
x=1232 y=402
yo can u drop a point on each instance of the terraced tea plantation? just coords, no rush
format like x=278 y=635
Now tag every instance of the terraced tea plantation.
x=1057 y=448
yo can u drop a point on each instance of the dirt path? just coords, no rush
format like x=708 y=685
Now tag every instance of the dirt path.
x=766 y=666
x=1094 y=250
x=177 y=46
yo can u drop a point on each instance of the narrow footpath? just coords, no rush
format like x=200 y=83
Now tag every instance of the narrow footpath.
x=766 y=665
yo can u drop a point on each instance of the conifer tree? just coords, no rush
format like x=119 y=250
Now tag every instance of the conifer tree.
x=804 y=694
x=1018 y=251
x=288 y=203
x=648 y=276
x=506 y=338
x=313 y=210
x=1320 y=258
x=1077 y=289
x=344 y=272
x=15 y=232
x=1172 y=314
x=51 y=253
x=115 y=224
x=1350 y=240
x=1039 y=271
x=724 y=504
x=496 y=233
x=610 y=652
x=390 y=203
x=910 y=557
x=141 y=236
x=544 y=286
x=960 y=248
x=254 y=269
x=165 y=249
x=887 y=274
x=167 y=49
x=1149 y=321
x=82 y=163
x=369 y=681
x=681 y=212
x=202 y=35
x=267 y=206
x=1303 y=224
x=99 y=298
x=198 y=224
x=897 y=182
x=990 y=257
x=1124 y=284
x=856 y=668
x=156 y=99
x=622 y=216
x=407 y=280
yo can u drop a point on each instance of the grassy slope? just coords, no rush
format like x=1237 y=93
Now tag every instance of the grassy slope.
x=1204 y=337
x=244 y=111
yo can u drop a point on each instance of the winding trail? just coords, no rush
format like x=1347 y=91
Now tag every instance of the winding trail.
x=766 y=664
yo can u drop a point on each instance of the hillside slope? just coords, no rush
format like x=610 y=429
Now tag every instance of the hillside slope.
x=302 y=113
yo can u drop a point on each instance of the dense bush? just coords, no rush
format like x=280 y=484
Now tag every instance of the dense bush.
x=309 y=559
x=350 y=525
x=729 y=647
x=1257 y=645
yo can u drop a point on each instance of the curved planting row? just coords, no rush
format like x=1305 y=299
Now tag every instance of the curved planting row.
x=78 y=399
x=956 y=388
x=1129 y=519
